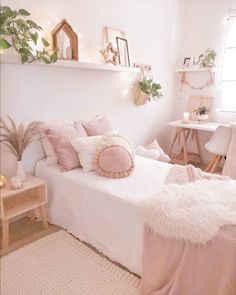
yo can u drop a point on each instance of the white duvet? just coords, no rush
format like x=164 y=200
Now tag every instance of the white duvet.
x=101 y=211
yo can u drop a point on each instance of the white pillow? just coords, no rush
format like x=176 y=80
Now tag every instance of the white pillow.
x=163 y=156
x=51 y=158
x=86 y=148
x=151 y=154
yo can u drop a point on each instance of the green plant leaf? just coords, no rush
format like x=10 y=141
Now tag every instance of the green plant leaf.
x=53 y=58
x=45 y=42
x=44 y=59
x=4 y=32
x=24 y=59
x=34 y=37
x=33 y=24
x=24 y=12
x=4 y=44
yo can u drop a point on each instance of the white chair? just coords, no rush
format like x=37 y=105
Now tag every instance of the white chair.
x=218 y=145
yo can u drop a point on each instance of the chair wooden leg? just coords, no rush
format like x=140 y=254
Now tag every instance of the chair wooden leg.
x=215 y=164
x=208 y=168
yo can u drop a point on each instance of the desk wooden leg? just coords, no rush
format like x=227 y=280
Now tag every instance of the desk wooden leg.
x=43 y=216
x=198 y=145
x=5 y=233
x=184 y=147
x=173 y=142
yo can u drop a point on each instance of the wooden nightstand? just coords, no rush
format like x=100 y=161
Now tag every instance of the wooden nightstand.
x=32 y=195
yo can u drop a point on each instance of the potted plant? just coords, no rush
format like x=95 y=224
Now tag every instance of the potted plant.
x=21 y=33
x=202 y=113
x=147 y=90
x=17 y=139
x=208 y=59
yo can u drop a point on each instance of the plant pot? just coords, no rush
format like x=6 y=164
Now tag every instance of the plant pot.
x=20 y=172
x=141 y=98
x=202 y=117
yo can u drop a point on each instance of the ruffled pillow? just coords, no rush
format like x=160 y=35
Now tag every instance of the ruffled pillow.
x=114 y=157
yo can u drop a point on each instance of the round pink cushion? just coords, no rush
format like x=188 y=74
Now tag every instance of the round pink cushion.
x=114 y=162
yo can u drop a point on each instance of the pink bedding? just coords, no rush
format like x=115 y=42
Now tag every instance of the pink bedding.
x=178 y=267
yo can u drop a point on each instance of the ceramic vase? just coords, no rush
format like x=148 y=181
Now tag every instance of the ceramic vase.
x=20 y=172
x=202 y=117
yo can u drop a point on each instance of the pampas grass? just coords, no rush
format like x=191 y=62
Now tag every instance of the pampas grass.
x=17 y=138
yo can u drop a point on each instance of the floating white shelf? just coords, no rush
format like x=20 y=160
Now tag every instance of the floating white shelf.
x=196 y=70
x=15 y=59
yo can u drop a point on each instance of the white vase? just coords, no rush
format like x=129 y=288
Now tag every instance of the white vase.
x=202 y=117
x=20 y=172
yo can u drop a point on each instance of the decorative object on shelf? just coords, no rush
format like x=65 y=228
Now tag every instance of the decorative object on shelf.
x=186 y=117
x=110 y=54
x=111 y=34
x=186 y=62
x=16 y=182
x=123 y=51
x=17 y=138
x=201 y=103
x=3 y=181
x=202 y=113
x=20 y=172
x=147 y=90
x=65 y=40
x=184 y=81
x=20 y=33
x=207 y=60
x=146 y=70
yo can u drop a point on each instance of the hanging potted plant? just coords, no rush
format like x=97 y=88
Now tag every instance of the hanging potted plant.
x=21 y=33
x=17 y=139
x=147 y=90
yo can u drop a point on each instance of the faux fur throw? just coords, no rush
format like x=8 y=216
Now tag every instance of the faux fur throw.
x=193 y=211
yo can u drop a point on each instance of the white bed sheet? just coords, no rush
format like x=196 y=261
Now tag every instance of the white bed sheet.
x=101 y=211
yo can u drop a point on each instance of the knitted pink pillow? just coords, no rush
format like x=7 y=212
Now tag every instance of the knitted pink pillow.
x=114 y=157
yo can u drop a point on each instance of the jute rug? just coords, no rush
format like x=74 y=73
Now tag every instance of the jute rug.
x=59 y=264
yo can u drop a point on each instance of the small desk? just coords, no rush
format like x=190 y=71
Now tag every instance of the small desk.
x=32 y=195
x=184 y=131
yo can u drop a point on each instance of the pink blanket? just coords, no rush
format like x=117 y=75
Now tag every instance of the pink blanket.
x=177 y=267
x=230 y=164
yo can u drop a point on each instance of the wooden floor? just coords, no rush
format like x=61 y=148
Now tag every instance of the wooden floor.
x=25 y=231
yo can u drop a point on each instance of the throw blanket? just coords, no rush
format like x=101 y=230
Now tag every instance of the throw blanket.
x=230 y=164
x=190 y=236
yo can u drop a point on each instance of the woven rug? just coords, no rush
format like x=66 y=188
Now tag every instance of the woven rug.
x=59 y=264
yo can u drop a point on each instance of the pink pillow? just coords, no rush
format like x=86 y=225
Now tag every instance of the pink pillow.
x=98 y=126
x=115 y=157
x=60 y=137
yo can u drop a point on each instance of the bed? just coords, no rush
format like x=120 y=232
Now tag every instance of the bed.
x=104 y=212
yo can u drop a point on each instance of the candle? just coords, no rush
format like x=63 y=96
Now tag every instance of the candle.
x=16 y=182
x=186 y=117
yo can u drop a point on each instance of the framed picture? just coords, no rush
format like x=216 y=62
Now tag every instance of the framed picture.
x=196 y=102
x=123 y=51
x=111 y=34
x=187 y=62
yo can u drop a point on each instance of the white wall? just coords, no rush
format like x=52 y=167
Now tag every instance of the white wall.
x=153 y=29
x=204 y=27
